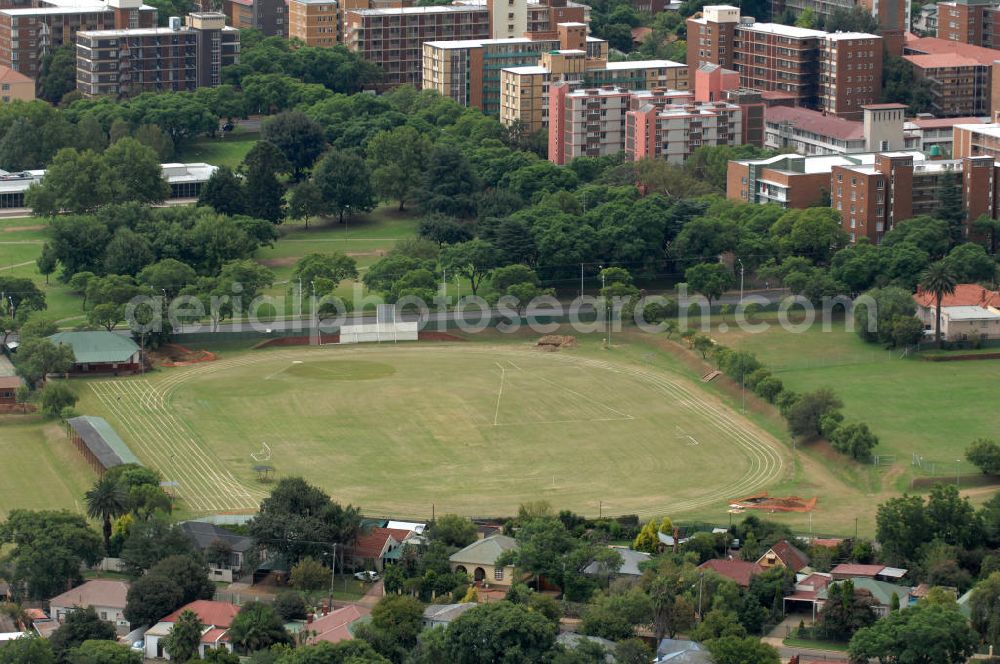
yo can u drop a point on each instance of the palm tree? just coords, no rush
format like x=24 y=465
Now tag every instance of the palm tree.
x=106 y=500
x=258 y=627
x=939 y=279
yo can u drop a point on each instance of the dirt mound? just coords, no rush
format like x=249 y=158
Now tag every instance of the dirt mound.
x=175 y=355
x=553 y=342
x=763 y=501
x=430 y=335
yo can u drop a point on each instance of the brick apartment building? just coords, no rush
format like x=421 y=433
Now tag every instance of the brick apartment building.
x=321 y=22
x=975 y=22
x=893 y=16
x=33 y=28
x=468 y=71
x=180 y=57
x=268 y=16
x=394 y=38
x=975 y=140
x=524 y=91
x=832 y=72
x=961 y=75
x=810 y=132
x=871 y=191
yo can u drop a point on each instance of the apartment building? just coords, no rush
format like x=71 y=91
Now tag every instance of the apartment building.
x=809 y=132
x=321 y=22
x=33 y=28
x=871 y=191
x=589 y=122
x=929 y=134
x=961 y=75
x=15 y=86
x=468 y=71
x=893 y=16
x=524 y=91
x=974 y=140
x=178 y=58
x=674 y=131
x=268 y=16
x=975 y=22
x=833 y=72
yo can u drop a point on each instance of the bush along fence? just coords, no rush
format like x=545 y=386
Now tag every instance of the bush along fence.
x=810 y=416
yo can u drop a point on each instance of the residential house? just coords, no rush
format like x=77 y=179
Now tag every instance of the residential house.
x=740 y=571
x=572 y=641
x=204 y=535
x=478 y=560
x=97 y=352
x=370 y=550
x=9 y=382
x=806 y=594
x=880 y=592
x=971 y=312
x=338 y=625
x=631 y=560
x=441 y=615
x=105 y=596
x=783 y=554
x=681 y=651
x=216 y=617
x=877 y=572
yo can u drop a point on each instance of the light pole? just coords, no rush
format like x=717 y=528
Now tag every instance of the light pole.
x=333 y=573
x=957 y=462
x=604 y=287
x=741 y=281
x=581 y=280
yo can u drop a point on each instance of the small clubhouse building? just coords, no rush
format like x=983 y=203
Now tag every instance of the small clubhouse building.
x=478 y=560
x=100 y=352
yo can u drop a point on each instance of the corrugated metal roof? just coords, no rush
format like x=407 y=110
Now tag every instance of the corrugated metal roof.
x=102 y=441
x=97 y=347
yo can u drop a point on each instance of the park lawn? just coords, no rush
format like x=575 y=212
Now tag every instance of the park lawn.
x=222 y=151
x=836 y=646
x=42 y=469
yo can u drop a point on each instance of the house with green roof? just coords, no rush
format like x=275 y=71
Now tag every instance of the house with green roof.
x=881 y=593
x=100 y=352
x=478 y=560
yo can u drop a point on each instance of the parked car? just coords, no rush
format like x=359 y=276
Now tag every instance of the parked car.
x=369 y=576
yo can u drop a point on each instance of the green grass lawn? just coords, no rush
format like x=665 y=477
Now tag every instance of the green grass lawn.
x=42 y=469
x=228 y=150
x=469 y=428
x=837 y=646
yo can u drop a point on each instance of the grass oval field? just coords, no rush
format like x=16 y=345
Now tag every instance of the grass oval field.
x=468 y=428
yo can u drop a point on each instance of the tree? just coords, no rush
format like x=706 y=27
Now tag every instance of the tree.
x=290 y=605
x=984 y=454
x=449 y=183
x=300 y=138
x=219 y=553
x=453 y=530
x=80 y=625
x=134 y=173
x=855 y=440
x=106 y=500
x=473 y=260
x=345 y=183
x=184 y=637
x=907 y=331
x=984 y=605
x=970 y=263
x=397 y=159
x=150 y=598
x=305 y=200
x=300 y=509
x=845 y=612
x=709 y=279
x=397 y=620
x=889 y=304
x=57 y=75
x=901 y=527
x=152 y=541
x=257 y=627
x=615 y=616
x=500 y=631
x=806 y=415
x=56 y=397
x=939 y=280
x=169 y=274
x=923 y=634
x=990 y=228
x=263 y=193
x=47 y=261
x=354 y=651
x=734 y=650
x=309 y=575
x=74 y=182
x=444 y=229
x=334 y=267
x=103 y=652
x=223 y=192
x=21 y=295
x=36 y=358
x=27 y=650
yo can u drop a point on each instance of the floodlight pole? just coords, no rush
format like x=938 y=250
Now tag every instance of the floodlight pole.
x=333 y=573
x=957 y=481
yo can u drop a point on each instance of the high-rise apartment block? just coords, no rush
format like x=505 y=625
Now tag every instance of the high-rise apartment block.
x=268 y=16
x=468 y=71
x=962 y=77
x=322 y=22
x=833 y=72
x=975 y=22
x=31 y=29
x=524 y=91
x=893 y=16
x=179 y=58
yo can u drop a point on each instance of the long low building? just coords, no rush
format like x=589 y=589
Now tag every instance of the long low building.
x=99 y=443
x=185 y=180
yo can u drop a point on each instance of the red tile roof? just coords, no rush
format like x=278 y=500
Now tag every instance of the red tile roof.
x=740 y=571
x=792 y=558
x=942 y=60
x=965 y=295
x=641 y=34
x=816 y=122
x=213 y=636
x=940 y=123
x=10 y=382
x=373 y=544
x=335 y=626
x=8 y=75
x=849 y=569
x=828 y=542
x=216 y=614
x=935 y=46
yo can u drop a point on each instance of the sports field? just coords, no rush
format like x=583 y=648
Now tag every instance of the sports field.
x=470 y=428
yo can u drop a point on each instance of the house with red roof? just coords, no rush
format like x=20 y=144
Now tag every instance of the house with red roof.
x=971 y=312
x=740 y=571
x=216 y=618
x=338 y=625
x=370 y=550
x=783 y=554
